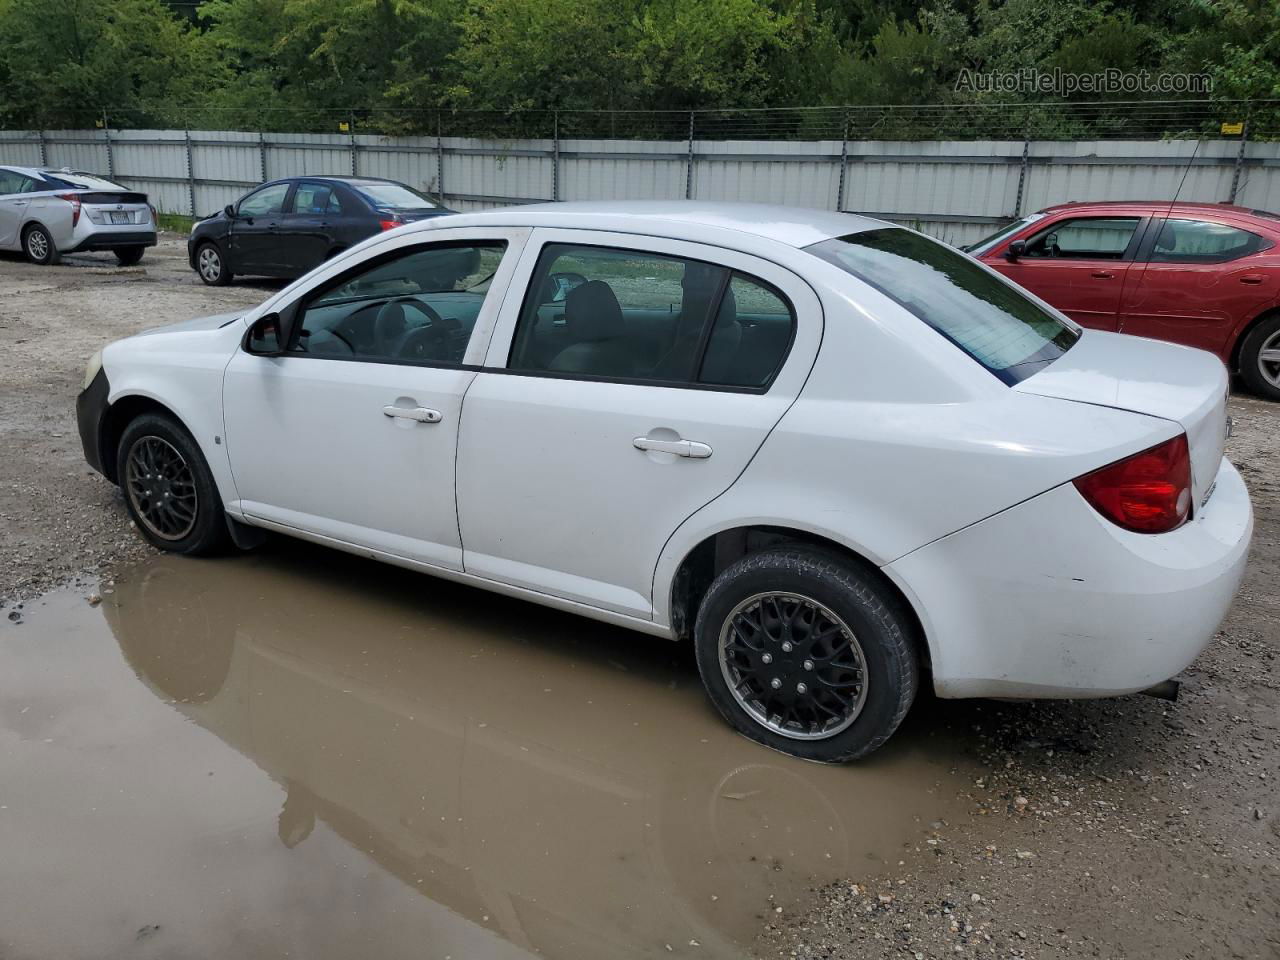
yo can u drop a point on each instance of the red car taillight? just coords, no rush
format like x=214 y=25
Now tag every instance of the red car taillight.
x=1149 y=492
x=74 y=200
x=390 y=224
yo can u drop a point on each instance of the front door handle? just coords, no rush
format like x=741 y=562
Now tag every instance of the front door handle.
x=421 y=414
x=1102 y=274
x=681 y=448
x=1251 y=278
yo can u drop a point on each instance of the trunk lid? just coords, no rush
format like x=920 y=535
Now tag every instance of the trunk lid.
x=1151 y=377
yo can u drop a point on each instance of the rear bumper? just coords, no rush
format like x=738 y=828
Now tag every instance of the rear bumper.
x=113 y=240
x=1048 y=599
x=91 y=408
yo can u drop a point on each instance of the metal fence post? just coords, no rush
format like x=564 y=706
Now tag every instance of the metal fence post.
x=191 y=173
x=440 y=155
x=351 y=132
x=844 y=165
x=44 y=159
x=106 y=134
x=688 y=173
x=1022 y=172
x=555 y=156
x=1235 y=176
x=262 y=156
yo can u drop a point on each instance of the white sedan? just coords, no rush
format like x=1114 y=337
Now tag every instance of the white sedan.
x=840 y=457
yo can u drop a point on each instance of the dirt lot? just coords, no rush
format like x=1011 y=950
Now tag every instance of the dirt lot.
x=1127 y=828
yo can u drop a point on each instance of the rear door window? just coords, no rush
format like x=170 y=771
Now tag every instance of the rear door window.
x=315 y=199
x=1200 y=241
x=989 y=319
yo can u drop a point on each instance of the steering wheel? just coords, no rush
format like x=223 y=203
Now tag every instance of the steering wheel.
x=429 y=343
x=390 y=326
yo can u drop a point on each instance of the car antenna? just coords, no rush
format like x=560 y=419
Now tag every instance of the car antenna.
x=1168 y=213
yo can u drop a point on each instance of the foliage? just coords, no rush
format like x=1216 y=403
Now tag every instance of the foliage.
x=394 y=65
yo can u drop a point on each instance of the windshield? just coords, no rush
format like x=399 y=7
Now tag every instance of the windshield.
x=986 y=243
x=990 y=320
x=394 y=196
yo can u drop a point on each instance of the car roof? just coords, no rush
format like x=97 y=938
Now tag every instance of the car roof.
x=29 y=171
x=793 y=226
x=1157 y=206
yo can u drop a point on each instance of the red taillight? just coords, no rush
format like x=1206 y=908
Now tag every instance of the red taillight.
x=390 y=224
x=74 y=200
x=1149 y=492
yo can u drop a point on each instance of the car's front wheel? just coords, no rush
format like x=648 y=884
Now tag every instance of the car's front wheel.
x=1260 y=358
x=804 y=652
x=128 y=256
x=168 y=488
x=38 y=245
x=212 y=266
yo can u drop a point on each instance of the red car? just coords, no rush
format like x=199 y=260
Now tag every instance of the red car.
x=1207 y=275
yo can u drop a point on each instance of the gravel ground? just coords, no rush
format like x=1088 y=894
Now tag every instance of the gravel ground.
x=1125 y=828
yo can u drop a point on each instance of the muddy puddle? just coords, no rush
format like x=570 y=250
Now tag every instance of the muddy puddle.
x=301 y=754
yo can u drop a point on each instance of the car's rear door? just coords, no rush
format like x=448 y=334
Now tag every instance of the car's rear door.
x=1197 y=280
x=1079 y=265
x=14 y=200
x=351 y=435
x=583 y=447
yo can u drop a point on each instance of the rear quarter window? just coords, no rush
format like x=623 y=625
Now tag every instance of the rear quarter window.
x=992 y=322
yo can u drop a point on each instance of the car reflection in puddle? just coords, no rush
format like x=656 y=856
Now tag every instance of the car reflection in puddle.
x=434 y=772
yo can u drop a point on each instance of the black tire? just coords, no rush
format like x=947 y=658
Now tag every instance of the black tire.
x=202 y=526
x=821 y=584
x=1254 y=370
x=211 y=265
x=38 y=245
x=128 y=256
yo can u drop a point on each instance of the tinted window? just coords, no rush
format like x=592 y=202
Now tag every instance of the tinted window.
x=989 y=241
x=752 y=332
x=419 y=306
x=13 y=182
x=315 y=199
x=985 y=317
x=1198 y=241
x=83 y=181
x=1085 y=238
x=266 y=201
x=394 y=196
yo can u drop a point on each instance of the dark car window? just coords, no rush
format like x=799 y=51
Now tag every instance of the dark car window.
x=315 y=199
x=82 y=181
x=1200 y=241
x=394 y=196
x=1084 y=238
x=13 y=182
x=263 y=202
x=415 y=306
x=990 y=320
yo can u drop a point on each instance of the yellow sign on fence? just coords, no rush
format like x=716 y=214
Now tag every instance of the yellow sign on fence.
x=1232 y=129
x=346 y=127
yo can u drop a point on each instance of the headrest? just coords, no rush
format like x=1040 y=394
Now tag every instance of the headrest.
x=1168 y=238
x=591 y=312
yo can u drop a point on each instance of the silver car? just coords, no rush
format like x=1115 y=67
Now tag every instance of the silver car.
x=46 y=213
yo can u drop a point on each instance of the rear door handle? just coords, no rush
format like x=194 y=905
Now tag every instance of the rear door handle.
x=1102 y=274
x=1251 y=278
x=421 y=414
x=691 y=449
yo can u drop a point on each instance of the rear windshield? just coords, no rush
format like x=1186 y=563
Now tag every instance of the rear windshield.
x=81 y=181
x=988 y=319
x=394 y=196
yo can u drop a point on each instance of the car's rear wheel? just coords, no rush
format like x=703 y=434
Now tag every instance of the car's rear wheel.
x=212 y=266
x=1260 y=358
x=804 y=652
x=38 y=245
x=128 y=256
x=168 y=488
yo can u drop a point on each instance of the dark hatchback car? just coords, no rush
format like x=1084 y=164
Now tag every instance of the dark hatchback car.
x=287 y=227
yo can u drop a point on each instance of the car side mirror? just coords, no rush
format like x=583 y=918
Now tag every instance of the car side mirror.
x=1016 y=249
x=230 y=211
x=267 y=336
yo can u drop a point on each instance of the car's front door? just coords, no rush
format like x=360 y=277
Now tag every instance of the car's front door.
x=1079 y=265
x=629 y=382
x=306 y=232
x=351 y=434
x=254 y=242
x=1196 y=282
